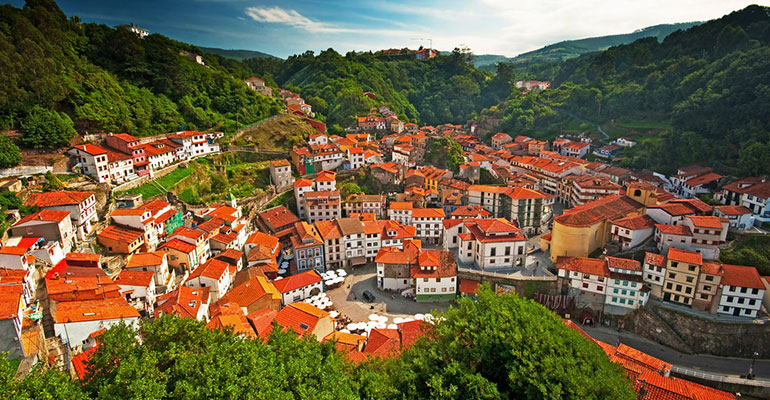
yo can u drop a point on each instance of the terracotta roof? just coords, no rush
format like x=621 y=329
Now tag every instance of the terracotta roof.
x=703 y=179
x=44 y=215
x=635 y=222
x=624 y=263
x=428 y=213
x=94 y=310
x=711 y=268
x=188 y=233
x=10 y=297
x=80 y=362
x=278 y=217
x=740 y=276
x=706 y=221
x=302 y=182
x=696 y=205
x=655 y=259
x=120 y=233
x=183 y=301
x=135 y=278
x=212 y=268
x=689 y=257
x=59 y=198
x=91 y=149
x=400 y=205
x=383 y=342
x=394 y=255
x=145 y=259
x=469 y=286
x=239 y=324
x=345 y=338
x=411 y=331
x=470 y=211
x=583 y=265
x=680 y=230
x=14 y=250
x=297 y=281
x=280 y=163
x=733 y=210
x=607 y=208
x=435 y=264
x=250 y=291
x=674 y=208
x=300 y=317
x=179 y=245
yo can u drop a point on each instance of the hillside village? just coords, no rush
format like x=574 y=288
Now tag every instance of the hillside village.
x=608 y=240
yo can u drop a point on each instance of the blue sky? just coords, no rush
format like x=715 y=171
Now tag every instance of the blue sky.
x=285 y=27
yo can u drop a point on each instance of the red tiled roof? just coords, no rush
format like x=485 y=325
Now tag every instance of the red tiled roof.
x=44 y=215
x=624 y=263
x=706 y=221
x=179 y=245
x=212 y=268
x=184 y=302
x=94 y=310
x=635 y=222
x=134 y=278
x=300 y=317
x=655 y=259
x=412 y=330
x=469 y=286
x=689 y=257
x=297 y=281
x=59 y=198
x=278 y=217
x=607 y=208
x=80 y=362
x=10 y=298
x=383 y=342
x=120 y=233
x=583 y=265
x=680 y=230
x=675 y=208
x=643 y=359
x=435 y=264
x=740 y=276
x=91 y=149
x=733 y=210
x=14 y=250
x=187 y=232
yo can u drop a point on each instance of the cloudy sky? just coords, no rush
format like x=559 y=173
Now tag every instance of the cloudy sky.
x=285 y=27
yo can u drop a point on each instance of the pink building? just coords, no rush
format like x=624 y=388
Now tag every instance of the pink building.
x=130 y=145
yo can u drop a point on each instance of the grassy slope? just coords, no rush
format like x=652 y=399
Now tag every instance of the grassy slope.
x=281 y=133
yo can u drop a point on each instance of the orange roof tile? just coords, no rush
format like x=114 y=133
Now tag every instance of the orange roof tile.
x=150 y=259
x=740 y=276
x=44 y=215
x=135 y=278
x=623 y=263
x=58 y=198
x=94 y=310
x=690 y=257
x=654 y=259
x=297 y=281
x=212 y=268
x=733 y=210
x=179 y=245
x=300 y=317
x=680 y=230
x=383 y=342
x=635 y=222
x=584 y=265
x=710 y=222
x=607 y=208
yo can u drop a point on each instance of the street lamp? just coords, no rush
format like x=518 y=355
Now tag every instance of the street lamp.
x=751 y=368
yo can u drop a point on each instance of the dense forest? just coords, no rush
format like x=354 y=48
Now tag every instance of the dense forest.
x=60 y=76
x=710 y=82
x=444 y=89
x=498 y=347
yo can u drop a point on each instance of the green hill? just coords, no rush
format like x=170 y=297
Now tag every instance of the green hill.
x=573 y=48
x=60 y=76
x=236 y=54
x=706 y=89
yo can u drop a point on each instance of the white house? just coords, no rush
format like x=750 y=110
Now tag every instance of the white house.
x=632 y=231
x=435 y=276
x=394 y=266
x=92 y=160
x=157 y=262
x=492 y=243
x=742 y=291
x=214 y=274
x=356 y=157
x=588 y=275
x=738 y=217
x=138 y=287
x=625 y=142
x=299 y=287
x=80 y=205
x=654 y=273
x=74 y=321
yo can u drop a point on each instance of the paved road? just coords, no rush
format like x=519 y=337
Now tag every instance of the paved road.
x=348 y=301
x=700 y=362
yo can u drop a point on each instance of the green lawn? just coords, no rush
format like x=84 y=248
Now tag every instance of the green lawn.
x=642 y=124
x=168 y=181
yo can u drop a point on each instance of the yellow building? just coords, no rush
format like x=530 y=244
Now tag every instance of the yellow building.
x=582 y=230
x=682 y=270
x=646 y=193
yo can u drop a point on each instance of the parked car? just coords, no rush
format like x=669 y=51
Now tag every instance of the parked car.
x=368 y=296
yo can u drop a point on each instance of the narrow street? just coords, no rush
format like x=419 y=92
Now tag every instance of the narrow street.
x=701 y=362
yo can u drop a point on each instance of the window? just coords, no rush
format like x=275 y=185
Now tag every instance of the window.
x=671 y=275
x=585 y=285
x=690 y=279
x=691 y=268
x=688 y=290
x=709 y=278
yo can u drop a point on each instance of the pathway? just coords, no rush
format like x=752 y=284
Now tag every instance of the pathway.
x=724 y=366
x=585 y=121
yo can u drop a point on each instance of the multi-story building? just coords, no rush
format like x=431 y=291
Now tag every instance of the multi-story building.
x=365 y=203
x=299 y=287
x=586 y=188
x=333 y=243
x=632 y=231
x=583 y=229
x=499 y=139
x=741 y=291
x=703 y=234
x=139 y=220
x=308 y=248
x=132 y=146
x=654 y=273
x=322 y=205
x=752 y=193
x=92 y=160
x=435 y=276
x=52 y=225
x=492 y=243
x=80 y=205
x=394 y=266
x=527 y=208
x=709 y=279
x=586 y=275
x=325 y=181
x=356 y=157
x=280 y=172
x=682 y=271
x=738 y=217
x=195 y=238
x=427 y=221
x=214 y=274
x=195 y=144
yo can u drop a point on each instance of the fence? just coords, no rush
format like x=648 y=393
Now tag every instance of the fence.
x=721 y=378
x=507 y=276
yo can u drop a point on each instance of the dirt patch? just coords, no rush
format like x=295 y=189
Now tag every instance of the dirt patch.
x=281 y=133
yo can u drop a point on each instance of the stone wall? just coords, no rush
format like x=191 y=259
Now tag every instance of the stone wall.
x=691 y=334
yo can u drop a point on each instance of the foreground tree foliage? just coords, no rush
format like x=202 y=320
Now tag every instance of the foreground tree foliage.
x=9 y=153
x=498 y=347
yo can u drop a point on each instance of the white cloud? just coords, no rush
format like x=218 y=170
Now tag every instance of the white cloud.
x=292 y=18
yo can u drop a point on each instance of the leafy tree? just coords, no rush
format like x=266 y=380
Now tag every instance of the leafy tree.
x=350 y=188
x=506 y=347
x=46 y=128
x=41 y=383
x=9 y=153
x=52 y=183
